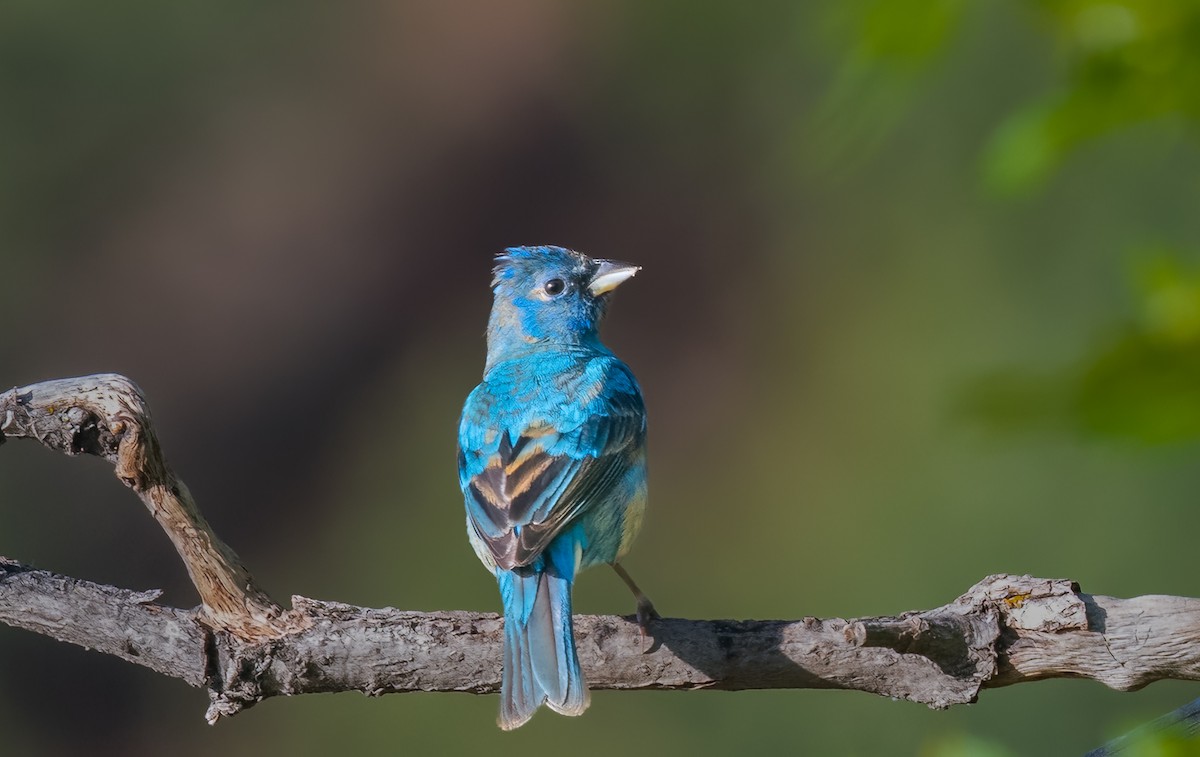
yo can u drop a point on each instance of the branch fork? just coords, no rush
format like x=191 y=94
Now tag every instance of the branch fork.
x=106 y=415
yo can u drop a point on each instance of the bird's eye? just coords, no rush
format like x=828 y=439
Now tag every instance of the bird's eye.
x=555 y=287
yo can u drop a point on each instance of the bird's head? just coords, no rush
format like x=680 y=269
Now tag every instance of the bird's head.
x=549 y=295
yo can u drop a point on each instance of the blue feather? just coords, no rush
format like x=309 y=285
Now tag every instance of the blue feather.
x=551 y=464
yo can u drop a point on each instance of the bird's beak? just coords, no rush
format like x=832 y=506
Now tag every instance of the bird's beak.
x=609 y=276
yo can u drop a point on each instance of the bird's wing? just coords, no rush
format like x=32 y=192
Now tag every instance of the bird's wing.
x=540 y=478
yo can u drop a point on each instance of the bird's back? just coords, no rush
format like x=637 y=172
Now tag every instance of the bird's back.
x=580 y=407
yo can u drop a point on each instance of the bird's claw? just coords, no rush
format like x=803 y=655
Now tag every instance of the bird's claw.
x=645 y=614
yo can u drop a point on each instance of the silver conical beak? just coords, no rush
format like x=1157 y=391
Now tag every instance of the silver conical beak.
x=609 y=276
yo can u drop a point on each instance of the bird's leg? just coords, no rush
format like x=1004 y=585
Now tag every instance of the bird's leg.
x=645 y=608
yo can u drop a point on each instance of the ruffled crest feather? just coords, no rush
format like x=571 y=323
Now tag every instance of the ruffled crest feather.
x=516 y=259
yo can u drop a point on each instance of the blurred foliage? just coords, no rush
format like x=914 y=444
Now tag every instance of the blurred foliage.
x=1127 y=62
x=1168 y=743
x=1141 y=385
x=888 y=45
x=1121 y=63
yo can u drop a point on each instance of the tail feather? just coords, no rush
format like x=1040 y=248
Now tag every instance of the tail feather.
x=518 y=700
x=540 y=663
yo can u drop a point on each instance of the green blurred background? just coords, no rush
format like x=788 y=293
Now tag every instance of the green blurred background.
x=921 y=302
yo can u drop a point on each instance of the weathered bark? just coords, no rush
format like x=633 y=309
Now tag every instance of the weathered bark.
x=104 y=618
x=244 y=648
x=1005 y=630
x=107 y=416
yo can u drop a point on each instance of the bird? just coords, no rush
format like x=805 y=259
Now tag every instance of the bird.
x=552 y=464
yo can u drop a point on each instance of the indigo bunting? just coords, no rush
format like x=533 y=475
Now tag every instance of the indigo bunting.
x=552 y=464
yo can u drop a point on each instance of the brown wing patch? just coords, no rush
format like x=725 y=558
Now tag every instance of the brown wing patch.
x=527 y=497
x=519 y=480
x=594 y=478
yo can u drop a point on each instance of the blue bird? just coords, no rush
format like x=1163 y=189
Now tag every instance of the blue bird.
x=552 y=464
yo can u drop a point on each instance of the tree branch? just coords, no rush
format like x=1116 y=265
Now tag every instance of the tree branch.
x=106 y=415
x=1005 y=630
x=244 y=648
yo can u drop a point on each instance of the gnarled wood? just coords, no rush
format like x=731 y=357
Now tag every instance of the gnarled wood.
x=106 y=415
x=1004 y=630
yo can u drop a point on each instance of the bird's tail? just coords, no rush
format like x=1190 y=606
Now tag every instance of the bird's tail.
x=540 y=664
